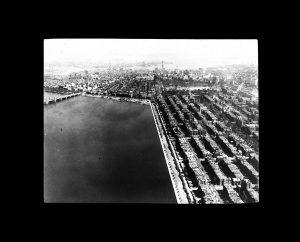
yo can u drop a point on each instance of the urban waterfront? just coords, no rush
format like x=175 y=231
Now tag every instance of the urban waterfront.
x=141 y=131
x=99 y=150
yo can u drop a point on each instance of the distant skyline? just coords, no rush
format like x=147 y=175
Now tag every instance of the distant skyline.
x=183 y=53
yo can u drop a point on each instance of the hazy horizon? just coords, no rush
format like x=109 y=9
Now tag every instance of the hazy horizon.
x=182 y=53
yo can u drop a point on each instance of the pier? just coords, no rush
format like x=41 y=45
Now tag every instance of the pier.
x=59 y=99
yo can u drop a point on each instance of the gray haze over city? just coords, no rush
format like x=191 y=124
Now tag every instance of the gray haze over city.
x=177 y=54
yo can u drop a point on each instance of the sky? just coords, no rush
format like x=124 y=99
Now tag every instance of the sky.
x=183 y=53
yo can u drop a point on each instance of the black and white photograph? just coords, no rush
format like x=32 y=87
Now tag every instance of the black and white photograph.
x=151 y=121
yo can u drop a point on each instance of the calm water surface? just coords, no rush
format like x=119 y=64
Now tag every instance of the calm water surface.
x=98 y=150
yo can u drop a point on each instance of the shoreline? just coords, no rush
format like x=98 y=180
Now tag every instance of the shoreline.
x=178 y=186
x=125 y=99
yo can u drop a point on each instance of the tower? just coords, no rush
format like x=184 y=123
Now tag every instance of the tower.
x=162 y=65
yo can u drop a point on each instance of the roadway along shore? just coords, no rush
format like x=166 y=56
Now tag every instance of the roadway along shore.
x=183 y=196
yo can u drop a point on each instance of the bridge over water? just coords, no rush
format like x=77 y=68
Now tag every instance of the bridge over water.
x=61 y=98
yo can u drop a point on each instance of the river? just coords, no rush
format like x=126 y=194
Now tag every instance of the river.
x=99 y=150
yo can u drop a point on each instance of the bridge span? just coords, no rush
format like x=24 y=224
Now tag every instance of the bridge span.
x=59 y=99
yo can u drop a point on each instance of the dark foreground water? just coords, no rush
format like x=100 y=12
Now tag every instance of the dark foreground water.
x=98 y=150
